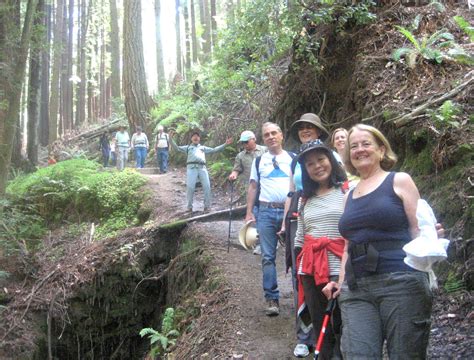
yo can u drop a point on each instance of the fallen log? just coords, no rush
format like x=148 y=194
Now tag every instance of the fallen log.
x=112 y=125
x=237 y=213
x=405 y=119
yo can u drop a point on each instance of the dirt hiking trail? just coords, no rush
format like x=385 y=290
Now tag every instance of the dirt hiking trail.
x=233 y=325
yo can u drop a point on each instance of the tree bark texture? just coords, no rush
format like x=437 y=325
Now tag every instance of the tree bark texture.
x=34 y=92
x=14 y=44
x=187 y=34
x=213 y=24
x=81 y=68
x=205 y=17
x=137 y=101
x=160 y=68
x=179 y=57
x=55 y=72
x=194 y=41
x=115 y=50
x=45 y=63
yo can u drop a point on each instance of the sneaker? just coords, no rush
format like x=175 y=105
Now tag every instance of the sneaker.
x=301 y=350
x=257 y=250
x=273 y=309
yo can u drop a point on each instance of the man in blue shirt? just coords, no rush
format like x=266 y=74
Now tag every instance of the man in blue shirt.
x=196 y=166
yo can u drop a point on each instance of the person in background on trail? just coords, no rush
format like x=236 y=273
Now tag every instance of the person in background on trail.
x=196 y=166
x=104 y=147
x=318 y=245
x=243 y=165
x=339 y=141
x=122 y=140
x=162 y=147
x=51 y=159
x=304 y=130
x=140 y=145
x=270 y=179
x=113 y=153
x=381 y=297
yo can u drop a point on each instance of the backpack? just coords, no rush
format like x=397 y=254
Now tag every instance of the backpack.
x=257 y=165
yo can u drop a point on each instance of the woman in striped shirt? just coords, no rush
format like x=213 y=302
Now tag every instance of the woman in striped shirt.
x=318 y=243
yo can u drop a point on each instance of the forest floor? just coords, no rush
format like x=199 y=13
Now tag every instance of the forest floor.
x=232 y=323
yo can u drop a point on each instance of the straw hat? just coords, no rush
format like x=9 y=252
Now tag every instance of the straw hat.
x=248 y=236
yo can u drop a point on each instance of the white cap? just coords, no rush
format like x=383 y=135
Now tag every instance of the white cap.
x=247 y=135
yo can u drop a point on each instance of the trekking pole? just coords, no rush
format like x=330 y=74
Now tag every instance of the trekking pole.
x=327 y=315
x=230 y=212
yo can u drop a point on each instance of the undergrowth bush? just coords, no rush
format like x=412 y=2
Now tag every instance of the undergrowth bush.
x=76 y=190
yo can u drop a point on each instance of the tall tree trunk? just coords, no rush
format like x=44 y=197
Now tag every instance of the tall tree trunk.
x=230 y=11
x=55 y=72
x=194 y=41
x=213 y=24
x=34 y=92
x=68 y=103
x=115 y=50
x=81 y=91
x=45 y=63
x=137 y=101
x=205 y=17
x=179 y=56
x=160 y=66
x=102 y=80
x=13 y=55
x=187 y=34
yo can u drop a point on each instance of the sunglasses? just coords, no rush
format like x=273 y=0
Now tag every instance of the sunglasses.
x=310 y=144
x=275 y=163
x=306 y=126
x=244 y=142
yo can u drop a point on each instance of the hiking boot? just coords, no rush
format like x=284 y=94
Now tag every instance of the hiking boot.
x=301 y=350
x=273 y=308
x=257 y=250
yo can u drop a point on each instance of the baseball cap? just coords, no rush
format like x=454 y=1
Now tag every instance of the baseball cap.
x=247 y=135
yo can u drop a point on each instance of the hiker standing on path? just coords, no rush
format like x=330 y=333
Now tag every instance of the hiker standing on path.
x=162 y=147
x=270 y=179
x=243 y=165
x=122 y=140
x=318 y=243
x=304 y=130
x=140 y=145
x=382 y=298
x=196 y=166
x=104 y=147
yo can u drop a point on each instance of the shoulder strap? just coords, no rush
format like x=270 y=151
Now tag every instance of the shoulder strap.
x=345 y=186
x=257 y=164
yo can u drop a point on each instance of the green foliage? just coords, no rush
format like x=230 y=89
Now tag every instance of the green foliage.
x=20 y=228
x=453 y=283
x=76 y=190
x=429 y=48
x=465 y=26
x=161 y=341
x=445 y=116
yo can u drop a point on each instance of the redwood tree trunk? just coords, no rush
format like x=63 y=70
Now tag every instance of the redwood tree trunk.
x=179 y=57
x=115 y=50
x=45 y=63
x=137 y=100
x=159 y=48
x=13 y=55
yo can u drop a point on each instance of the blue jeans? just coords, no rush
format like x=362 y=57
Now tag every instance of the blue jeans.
x=395 y=307
x=162 y=156
x=105 y=156
x=140 y=156
x=269 y=223
x=122 y=157
x=192 y=174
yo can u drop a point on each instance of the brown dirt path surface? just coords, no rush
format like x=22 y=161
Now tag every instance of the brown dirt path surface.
x=232 y=323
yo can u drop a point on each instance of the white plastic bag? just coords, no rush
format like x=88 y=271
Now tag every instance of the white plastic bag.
x=423 y=251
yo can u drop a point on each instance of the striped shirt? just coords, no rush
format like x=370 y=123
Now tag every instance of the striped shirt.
x=320 y=217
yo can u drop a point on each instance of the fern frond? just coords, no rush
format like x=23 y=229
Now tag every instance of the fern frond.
x=147 y=331
x=465 y=26
x=398 y=53
x=408 y=34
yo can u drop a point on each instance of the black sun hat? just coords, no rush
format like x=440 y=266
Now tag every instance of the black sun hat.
x=312 y=146
x=312 y=119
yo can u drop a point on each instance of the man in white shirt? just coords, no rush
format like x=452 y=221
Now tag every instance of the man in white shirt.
x=268 y=185
x=162 y=148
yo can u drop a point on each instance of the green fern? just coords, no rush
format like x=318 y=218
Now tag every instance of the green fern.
x=161 y=341
x=465 y=26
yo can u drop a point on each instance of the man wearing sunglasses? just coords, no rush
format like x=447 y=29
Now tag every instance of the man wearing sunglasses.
x=243 y=160
x=270 y=181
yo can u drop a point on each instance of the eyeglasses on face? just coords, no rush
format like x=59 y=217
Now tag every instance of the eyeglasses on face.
x=310 y=144
x=275 y=163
